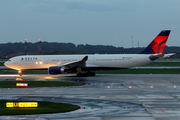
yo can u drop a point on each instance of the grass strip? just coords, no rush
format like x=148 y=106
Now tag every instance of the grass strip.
x=43 y=108
x=140 y=71
x=11 y=84
x=163 y=64
x=1 y=63
x=11 y=71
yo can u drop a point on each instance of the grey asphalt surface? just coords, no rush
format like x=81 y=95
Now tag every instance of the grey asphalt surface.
x=104 y=97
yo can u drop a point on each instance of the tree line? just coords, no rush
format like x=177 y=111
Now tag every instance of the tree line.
x=53 y=48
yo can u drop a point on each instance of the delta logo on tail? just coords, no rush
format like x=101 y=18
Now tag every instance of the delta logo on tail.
x=158 y=44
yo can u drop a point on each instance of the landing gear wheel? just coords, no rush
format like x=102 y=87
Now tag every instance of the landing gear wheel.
x=20 y=72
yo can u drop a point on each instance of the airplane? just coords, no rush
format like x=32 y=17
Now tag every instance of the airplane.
x=58 y=64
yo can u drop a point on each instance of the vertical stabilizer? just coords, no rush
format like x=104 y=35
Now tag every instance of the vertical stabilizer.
x=158 y=44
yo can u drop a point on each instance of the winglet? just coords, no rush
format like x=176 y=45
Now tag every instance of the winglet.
x=158 y=44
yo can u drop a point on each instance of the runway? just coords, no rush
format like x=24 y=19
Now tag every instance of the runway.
x=104 y=97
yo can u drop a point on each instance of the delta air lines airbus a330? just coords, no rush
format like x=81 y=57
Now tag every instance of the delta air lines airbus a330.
x=58 y=64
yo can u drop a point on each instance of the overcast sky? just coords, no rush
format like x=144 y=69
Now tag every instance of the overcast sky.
x=95 y=22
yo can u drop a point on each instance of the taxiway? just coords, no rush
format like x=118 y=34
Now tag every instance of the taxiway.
x=104 y=97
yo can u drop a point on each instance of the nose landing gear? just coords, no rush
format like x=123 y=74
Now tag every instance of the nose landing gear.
x=20 y=72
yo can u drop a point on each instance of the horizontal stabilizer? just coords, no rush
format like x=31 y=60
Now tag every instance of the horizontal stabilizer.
x=169 y=55
x=160 y=56
x=156 y=56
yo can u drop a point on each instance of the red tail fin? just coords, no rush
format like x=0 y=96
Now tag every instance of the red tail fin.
x=158 y=44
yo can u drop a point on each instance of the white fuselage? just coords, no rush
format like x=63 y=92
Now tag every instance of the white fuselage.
x=117 y=61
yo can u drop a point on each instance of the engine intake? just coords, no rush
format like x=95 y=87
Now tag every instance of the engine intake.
x=55 y=70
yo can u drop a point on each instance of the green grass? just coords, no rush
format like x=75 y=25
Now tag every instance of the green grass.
x=163 y=64
x=8 y=71
x=11 y=84
x=11 y=71
x=35 y=72
x=43 y=108
x=140 y=71
x=3 y=59
x=1 y=63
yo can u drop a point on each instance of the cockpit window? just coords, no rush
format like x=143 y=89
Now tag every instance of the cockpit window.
x=9 y=60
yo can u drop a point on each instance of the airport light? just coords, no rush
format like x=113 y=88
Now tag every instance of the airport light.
x=130 y=86
x=21 y=104
x=108 y=86
x=22 y=84
x=174 y=86
x=151 y=86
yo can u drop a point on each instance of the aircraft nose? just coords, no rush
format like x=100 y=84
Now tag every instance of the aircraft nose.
x=6 y=64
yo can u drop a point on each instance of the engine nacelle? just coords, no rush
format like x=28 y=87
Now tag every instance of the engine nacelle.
x=55 y=70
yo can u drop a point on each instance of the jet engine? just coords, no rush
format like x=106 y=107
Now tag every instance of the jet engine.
x=55 y=70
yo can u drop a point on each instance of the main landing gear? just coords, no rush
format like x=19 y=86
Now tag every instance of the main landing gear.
x=20 y=72
x=86 y=74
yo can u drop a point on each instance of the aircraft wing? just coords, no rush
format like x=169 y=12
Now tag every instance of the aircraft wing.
x=80 y=63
